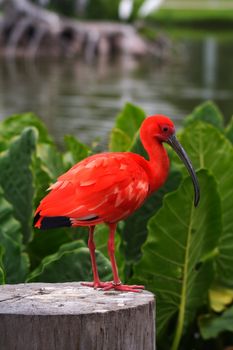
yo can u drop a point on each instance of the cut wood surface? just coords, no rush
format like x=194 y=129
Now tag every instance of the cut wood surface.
x=44 y=316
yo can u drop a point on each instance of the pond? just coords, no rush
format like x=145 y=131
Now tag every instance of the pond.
x=83 y=99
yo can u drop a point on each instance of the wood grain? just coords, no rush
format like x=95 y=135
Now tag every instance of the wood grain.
x=68 y=316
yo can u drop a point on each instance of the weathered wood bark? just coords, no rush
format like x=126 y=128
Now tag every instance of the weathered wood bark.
x=27 y=29
x=43 y=316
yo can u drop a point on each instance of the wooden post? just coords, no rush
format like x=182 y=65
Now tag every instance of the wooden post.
x=69 y=316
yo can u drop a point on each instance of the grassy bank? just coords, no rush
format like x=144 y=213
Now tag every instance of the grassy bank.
x=199 y=13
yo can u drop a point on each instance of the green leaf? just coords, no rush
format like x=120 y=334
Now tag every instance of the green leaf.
x=119 y=141
x=15 y=261
x=137 y=147
x=177 y=256
x=76 y=150
x=71 y=263
x=2 y=275
x=209 y=149
x=14 y=126
x=42 y=179
x=212 y=325
x=47 y=242
x=16 y=178
x=207 y=112
x=229 y=130
x=3 y=144
x=126 y=127
x=51 y=159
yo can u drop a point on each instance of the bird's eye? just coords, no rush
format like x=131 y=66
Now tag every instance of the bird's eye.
x=165 y=129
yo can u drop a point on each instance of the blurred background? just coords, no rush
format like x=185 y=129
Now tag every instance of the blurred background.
x=76 y=62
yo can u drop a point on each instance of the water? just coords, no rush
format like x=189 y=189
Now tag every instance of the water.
x=83 y=100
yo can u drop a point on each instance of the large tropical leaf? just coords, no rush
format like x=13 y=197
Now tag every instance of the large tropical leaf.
x=208 y=148
x=229 y=130
x=212 y=325
x=16 y=178
x=71 y=263
x=126 y=127
x=14 y=260
x=177 y=256
x=15 y=124
x=207 y=112
x=42 y=179
x=76 y=150
x=47 y=165
x=47 y=242
x=51 y=159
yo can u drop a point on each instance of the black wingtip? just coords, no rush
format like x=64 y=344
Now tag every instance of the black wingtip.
x=54 y=222
x=36 y=218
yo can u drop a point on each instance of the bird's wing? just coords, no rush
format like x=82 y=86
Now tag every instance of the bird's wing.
x=107 y=186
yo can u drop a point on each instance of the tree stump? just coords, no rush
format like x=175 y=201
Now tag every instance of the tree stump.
x=69 y=316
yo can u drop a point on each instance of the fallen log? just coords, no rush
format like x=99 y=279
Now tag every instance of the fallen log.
x=27 y=29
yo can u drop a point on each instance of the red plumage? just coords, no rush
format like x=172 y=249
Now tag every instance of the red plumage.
x=107 y=187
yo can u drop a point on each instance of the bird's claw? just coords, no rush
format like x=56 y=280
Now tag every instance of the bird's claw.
x=96 y=285
x=124 y=287
x=116 y=286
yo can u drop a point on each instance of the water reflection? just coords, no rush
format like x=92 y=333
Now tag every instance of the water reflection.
x=210 y=62
x=72 y=97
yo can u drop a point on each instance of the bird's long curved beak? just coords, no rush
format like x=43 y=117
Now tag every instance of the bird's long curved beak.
x=174 y=143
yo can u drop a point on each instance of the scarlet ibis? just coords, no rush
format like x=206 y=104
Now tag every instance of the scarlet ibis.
x=108 y=187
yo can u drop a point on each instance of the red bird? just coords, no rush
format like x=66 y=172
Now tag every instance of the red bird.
x=108 y=187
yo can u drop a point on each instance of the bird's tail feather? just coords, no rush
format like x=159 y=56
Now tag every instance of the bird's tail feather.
x=47 y=222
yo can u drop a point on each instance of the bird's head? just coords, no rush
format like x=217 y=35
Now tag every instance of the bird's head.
x=162 y=129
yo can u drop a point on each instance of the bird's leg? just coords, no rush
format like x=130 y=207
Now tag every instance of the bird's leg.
x=91 y=245
x=116 y=284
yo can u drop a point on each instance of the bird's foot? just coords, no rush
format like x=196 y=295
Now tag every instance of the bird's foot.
x=97 y=284
x=124 y=287
x=116 y=286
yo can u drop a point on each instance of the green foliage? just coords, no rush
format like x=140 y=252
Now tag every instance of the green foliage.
x=209 y=149
x=51 y=159
x=207 y=112
x=229 y=130
x=66 y=7
x=76 y=150
x=190 y=16
x=177 y=262
x=16 y=178
x=14 y=126
x=125 y=131
x=70 y=263
x=2 y=276
x=102 y=9
x=183 y=254
x=14 y=261
x=212 y=325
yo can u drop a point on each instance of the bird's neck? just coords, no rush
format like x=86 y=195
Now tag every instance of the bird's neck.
x=158 y=163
